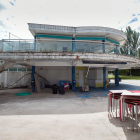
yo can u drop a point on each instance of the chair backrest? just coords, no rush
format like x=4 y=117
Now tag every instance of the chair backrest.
x=65 y=84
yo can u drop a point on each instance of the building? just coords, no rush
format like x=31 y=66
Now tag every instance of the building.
x=81 y=55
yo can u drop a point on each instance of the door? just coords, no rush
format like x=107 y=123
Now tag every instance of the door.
x=81 y=78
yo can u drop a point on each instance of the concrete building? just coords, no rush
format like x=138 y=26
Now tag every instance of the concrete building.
x=81 y=55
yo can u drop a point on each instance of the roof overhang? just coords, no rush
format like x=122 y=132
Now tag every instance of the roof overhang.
x=85 y=31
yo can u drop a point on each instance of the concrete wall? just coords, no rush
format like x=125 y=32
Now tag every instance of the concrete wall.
x=52 y=74
x=55 y=74
x=9 y=77
x=13 y=74
x=95 y=77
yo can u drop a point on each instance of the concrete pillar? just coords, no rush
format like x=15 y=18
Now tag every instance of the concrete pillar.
x=104 y=77
x=103 y=45
x=33 y=79
x=73 y=44
x=73 y=78
x=73 y=67
x=35 y=43
x=117 y=77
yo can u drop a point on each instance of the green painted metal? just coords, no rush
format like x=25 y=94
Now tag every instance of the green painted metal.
x=90 y=38
x=21 y=69
x=110 y=40
x=23 y=94
x=54 y=36
x=29 y=69
x=12 y=69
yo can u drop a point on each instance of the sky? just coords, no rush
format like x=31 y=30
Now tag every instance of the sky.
x=15 y=14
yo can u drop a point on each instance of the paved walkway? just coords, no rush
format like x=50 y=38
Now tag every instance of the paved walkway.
x=100 y=92
x=44 y=116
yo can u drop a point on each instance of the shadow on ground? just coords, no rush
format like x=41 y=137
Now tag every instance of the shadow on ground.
x=120 y=128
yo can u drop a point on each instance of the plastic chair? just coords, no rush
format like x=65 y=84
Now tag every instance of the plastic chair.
x=66 y=86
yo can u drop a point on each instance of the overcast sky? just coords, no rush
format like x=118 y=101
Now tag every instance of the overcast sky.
x=15 y=14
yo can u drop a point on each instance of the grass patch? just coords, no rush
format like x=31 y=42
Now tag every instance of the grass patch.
x=125 y=77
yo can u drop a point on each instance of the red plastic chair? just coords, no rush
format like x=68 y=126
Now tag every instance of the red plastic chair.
x=66 y=86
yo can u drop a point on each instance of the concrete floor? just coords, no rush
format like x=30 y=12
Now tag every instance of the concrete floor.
x=100 y=92
x=45 y=116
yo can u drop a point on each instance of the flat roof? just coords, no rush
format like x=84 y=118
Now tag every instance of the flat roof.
x=83 y=31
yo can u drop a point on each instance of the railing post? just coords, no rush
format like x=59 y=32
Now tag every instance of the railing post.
x=2 y=45
x=19 y=45
x=73 y=44
x=35 y=43
x=55 y=46
x=117 y=51
x=89 y=47
x=103 y=45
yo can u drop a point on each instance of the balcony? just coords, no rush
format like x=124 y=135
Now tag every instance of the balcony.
x=82 y=46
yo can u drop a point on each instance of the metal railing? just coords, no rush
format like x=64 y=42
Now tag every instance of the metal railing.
x=55 y=45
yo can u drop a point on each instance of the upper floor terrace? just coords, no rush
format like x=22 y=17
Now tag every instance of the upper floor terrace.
x=65 y=46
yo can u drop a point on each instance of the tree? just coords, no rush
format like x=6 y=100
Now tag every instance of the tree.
x=129 y=33
x=132 y=42
x=135 y=40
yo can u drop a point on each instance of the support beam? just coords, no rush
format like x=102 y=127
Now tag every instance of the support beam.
x=73 y=44
x=117 y=77
x=104 y=77
x=73 y=78
x=103 y=46
x=33 y=79
x=35 y=43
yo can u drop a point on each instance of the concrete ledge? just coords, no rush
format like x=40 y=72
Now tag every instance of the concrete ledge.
x=15 y=56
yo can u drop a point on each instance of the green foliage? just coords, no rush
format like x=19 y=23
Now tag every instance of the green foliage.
x=124 y=50
x=135 y=39
x=132 y=43
x=125 y=77
x=129 y=33
x=124 y=72
x=139 y=52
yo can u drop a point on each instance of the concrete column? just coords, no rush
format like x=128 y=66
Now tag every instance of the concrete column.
x=103 y=45
x=33 y=79
x=117 y=77
x=73 y=67
x=104 y=77
x=35 y=43
x=73 y=44
x=73 y=78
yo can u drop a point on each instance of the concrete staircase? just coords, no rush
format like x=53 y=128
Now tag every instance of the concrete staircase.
x=6 y=66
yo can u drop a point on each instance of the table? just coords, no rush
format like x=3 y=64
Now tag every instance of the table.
x=116 y=95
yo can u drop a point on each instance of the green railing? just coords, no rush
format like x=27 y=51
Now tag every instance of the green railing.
x=64 y=46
